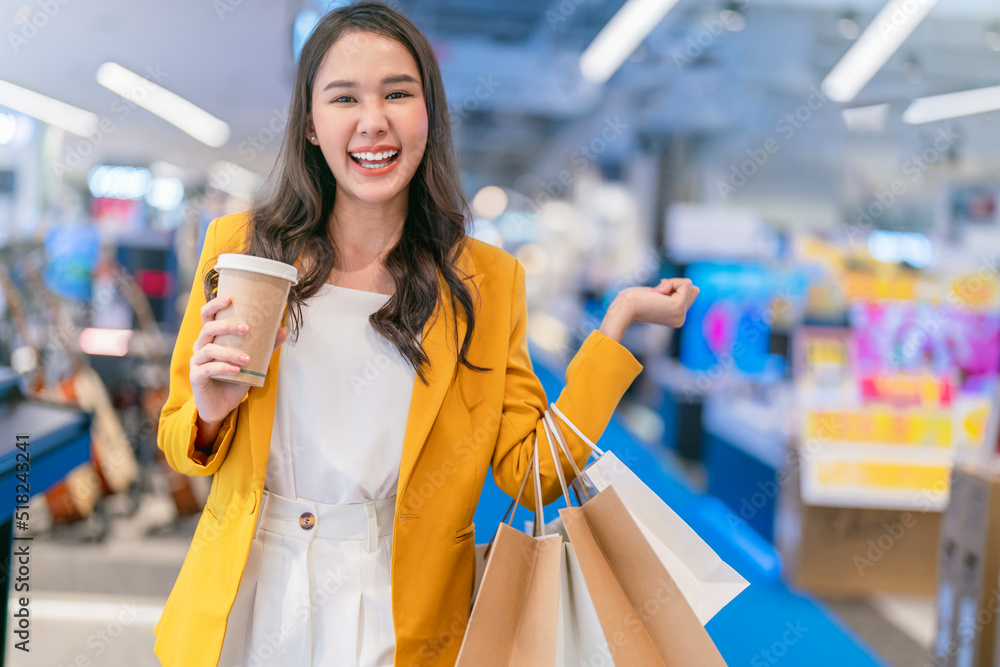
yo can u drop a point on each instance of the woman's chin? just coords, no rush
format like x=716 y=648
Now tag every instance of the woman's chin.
x=372 y=193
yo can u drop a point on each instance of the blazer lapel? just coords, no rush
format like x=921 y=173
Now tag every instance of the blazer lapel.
x=425 y=403
x=426 y=400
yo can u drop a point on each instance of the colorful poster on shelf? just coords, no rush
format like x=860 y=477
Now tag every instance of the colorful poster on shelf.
x=908 y=389
x=117 y=218
x=71 y=253
x=978 y=291
x=879 y=456
x=891 y=337
x=880 y=425
x=822 y=353
x=863 y=286
x=972 y=413
x=821 y=365
x=730 y=321
x=846 y=476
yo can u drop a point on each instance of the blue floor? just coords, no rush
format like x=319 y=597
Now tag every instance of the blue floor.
x=767 y=624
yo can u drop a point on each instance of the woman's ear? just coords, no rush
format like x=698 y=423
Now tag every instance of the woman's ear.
x=310 y=130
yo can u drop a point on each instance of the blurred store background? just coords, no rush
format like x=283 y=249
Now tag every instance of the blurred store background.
x=826 y=171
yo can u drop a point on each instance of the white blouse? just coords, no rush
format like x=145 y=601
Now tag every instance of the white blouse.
x=343 y=397
x=342 y=402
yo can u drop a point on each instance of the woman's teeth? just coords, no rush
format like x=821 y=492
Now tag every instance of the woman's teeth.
x=374 y=160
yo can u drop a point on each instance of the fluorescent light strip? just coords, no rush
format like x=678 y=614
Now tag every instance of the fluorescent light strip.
x=48 y=110
x=169 y=106
x=621 y=37
x=872 y=50
x=952 y=105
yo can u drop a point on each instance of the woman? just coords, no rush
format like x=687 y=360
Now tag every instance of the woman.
x=339 y=526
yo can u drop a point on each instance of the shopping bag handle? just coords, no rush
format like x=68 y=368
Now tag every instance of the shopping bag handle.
x=529 y=473
x=546 y=425
x=560 y=438
x=593 y=446
x=538 y=529
x=551 y=427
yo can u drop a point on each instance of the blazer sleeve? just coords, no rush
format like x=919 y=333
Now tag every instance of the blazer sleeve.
x=179 y=416
x=596 y=379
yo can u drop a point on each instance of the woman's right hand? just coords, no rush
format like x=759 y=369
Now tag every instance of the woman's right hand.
x=216 y=399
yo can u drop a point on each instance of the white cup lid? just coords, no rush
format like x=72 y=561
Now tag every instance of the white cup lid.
x=268 y=267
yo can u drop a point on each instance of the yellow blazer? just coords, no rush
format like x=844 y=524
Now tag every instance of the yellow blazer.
x=459 y=426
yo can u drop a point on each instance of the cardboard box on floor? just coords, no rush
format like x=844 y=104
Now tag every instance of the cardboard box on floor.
x=970 y=571
x=848 y=551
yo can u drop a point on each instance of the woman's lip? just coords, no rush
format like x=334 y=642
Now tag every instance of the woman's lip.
x=375 y=172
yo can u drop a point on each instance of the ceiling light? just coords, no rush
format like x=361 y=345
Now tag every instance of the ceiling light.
x=8 y=124
x=165 y=193
x=847 y=25
x=733 y=18
x=169 y=106
x=872 y=50
x=952 y=105
x=733 y=21
x=48 y=110
x=118 y=182
x=490 y=202
x=621 y=37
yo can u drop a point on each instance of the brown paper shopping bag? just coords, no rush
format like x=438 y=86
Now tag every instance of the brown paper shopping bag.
x=707 y=582
x=643 y=613
x=513 y=621
x=645 y=617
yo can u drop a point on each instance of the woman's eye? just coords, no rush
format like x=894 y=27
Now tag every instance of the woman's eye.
x=397 y=92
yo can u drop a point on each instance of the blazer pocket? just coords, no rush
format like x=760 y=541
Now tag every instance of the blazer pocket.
x=466 y=533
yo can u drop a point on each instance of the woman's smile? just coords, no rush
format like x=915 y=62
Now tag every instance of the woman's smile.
x=374 y=163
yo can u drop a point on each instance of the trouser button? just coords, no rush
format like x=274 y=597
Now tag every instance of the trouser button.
x=307 y=520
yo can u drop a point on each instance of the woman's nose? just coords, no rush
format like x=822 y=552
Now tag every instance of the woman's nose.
x=372 y=119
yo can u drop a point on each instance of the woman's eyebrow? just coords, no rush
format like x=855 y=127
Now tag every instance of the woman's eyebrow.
x=395 y=78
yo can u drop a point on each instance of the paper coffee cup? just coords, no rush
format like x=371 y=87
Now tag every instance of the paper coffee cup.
x=259 y=289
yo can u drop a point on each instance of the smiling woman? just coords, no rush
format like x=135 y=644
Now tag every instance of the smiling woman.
x=360 y=103
x=366 y=199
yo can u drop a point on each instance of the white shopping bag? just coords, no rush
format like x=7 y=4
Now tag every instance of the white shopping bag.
x=580 y=639
x=708 y=583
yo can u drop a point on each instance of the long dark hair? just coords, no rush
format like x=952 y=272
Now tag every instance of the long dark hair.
x=291 y=220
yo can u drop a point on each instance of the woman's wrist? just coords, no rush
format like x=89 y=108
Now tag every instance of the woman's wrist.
x=617 y=319
x=207 y=432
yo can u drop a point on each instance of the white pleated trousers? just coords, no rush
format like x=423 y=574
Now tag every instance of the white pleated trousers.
x=318 y=587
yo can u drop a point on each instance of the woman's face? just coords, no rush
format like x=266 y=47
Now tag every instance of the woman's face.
x=367 y=98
